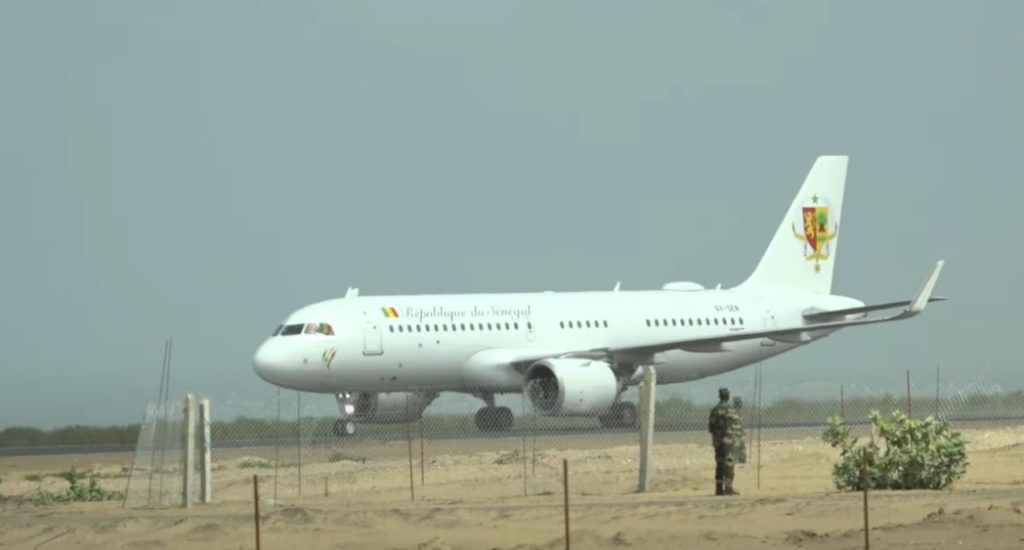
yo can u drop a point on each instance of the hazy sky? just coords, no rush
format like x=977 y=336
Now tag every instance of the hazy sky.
x=200 y=169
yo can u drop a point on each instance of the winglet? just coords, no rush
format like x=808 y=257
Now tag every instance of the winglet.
x=920 y=300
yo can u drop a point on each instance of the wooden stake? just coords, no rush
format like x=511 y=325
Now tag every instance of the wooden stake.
x=565 y=485
x=256 y=507
x=864 y=484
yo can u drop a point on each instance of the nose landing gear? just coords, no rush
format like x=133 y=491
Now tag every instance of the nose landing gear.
x=344 y=428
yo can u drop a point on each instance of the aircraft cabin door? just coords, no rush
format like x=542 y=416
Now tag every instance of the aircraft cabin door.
x=372 y=337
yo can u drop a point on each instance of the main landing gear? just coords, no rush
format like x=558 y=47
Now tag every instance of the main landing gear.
x=491 y=418
x=621 y=415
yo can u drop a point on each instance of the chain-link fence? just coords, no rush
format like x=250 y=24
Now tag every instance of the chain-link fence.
x=299 y=447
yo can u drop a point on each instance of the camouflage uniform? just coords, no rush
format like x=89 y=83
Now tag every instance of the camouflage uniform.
x=741 y=436
x=724 y=423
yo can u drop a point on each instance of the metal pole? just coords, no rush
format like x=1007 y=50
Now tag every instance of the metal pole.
x=523 y=434
x=156 y=423
x=864 y=481
x=277 y=442
x=842 y=403
x=565 y=488
x=423 y=475
x=408 y=433
x=412 y=482
x=909 y=415
x=760 y=407
x=646 y=427
x=256 y=507
x=298 y=435
x=533 y=428
x=936 y=391
x=162 y=421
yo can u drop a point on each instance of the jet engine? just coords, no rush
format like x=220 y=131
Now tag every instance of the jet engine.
x=384 y=408
x=571 y=387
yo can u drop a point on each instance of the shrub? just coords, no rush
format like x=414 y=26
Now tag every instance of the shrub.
x=902 y=453
x=79 y=491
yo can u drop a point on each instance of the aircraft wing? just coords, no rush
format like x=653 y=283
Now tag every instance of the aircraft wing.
x=800 y=333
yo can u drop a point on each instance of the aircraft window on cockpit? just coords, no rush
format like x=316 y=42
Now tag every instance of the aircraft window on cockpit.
x=277 y=330
x=290 y=330
x=324 y=328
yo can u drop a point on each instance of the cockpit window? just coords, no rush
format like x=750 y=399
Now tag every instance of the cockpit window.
x=289 y=330
x=277 y=330
x=319 y=328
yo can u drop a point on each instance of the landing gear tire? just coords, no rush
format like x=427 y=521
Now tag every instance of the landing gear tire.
x=344 y=428
x=494 y=419
x=621 y=415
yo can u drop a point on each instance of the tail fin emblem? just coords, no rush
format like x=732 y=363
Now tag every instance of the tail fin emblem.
x=816 y=235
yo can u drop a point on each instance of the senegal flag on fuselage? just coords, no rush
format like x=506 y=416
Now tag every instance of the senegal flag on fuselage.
x=390 y=312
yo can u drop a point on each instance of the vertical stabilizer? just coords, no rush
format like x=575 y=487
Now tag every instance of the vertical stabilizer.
x=802 y=254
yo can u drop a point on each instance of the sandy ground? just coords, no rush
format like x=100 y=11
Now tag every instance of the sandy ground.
x=474 y=498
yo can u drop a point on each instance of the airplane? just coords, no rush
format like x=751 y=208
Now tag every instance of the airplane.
x=387 y=358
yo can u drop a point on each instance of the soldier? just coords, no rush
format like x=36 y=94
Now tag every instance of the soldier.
x=723 y=424
x=741 y=436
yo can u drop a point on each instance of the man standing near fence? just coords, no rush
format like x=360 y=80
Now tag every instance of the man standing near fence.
x=724 y=425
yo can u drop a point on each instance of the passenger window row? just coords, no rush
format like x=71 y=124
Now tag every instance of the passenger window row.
x=459 y=327
x=583 y=324
x=707 y=321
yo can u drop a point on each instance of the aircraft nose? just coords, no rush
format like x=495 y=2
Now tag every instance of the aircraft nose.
x=268 y=362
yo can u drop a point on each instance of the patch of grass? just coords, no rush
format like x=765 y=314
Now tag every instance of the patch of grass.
x=342 y=457
x=35 y=478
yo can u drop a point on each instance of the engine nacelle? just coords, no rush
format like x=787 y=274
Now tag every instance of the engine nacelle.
x=571 y=387
x=384 y=408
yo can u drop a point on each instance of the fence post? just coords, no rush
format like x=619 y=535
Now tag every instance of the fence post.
x=205 y=466
x=189 y=455
x=646 y=427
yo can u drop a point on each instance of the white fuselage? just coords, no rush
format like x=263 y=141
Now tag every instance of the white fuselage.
x=447 y=342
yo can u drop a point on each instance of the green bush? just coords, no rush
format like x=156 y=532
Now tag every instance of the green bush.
x=902 y=453
x=79 y=491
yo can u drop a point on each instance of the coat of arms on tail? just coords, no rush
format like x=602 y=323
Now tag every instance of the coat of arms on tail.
x=816 y=234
